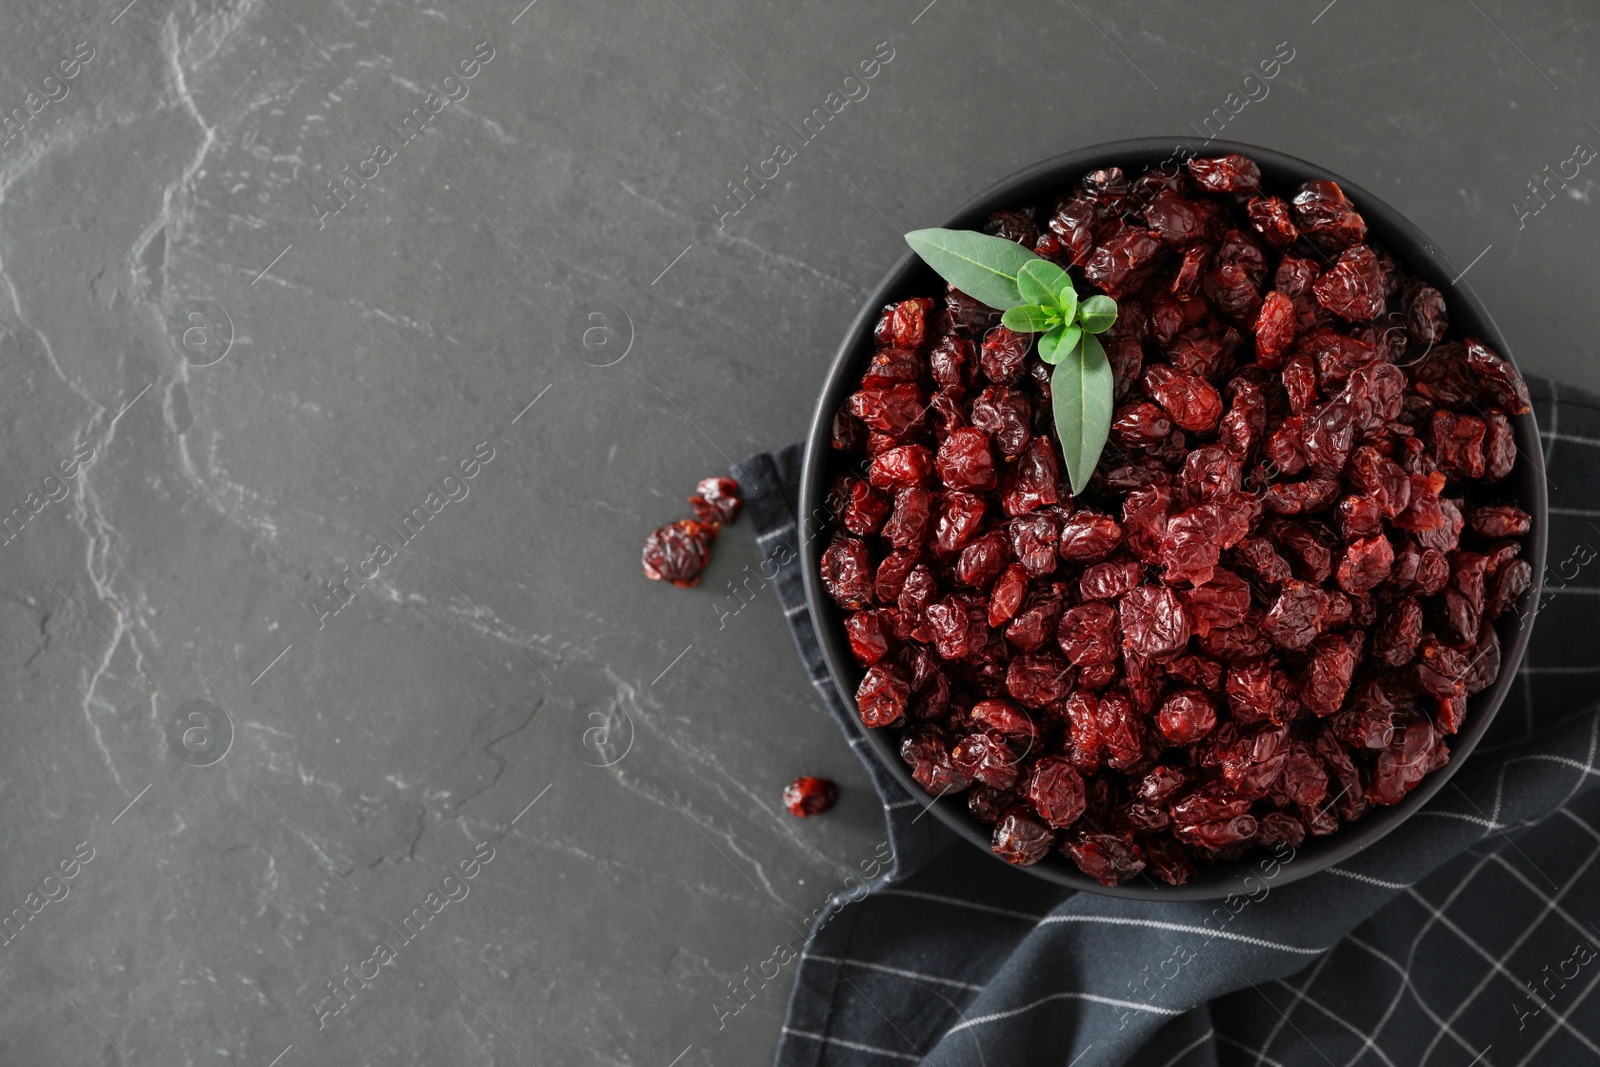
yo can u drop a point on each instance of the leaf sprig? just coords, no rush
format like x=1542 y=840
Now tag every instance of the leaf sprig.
x=1036 y=296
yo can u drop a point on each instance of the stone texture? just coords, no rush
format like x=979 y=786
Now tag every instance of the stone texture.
x=389 y=341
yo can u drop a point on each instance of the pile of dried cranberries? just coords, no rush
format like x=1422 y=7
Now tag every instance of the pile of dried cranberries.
x=1267 y=610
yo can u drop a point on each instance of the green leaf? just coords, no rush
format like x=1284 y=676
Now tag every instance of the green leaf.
x=1040 y=280
x=1028 y=318
x=1058 y=343
x=1067 y=300
x=983 y=267
x=1081 y=392
x=1097 y=314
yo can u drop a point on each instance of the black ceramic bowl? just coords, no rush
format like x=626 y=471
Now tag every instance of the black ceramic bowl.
x=910 y=277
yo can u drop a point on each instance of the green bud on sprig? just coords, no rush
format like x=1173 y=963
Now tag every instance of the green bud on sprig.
x=1036 y=296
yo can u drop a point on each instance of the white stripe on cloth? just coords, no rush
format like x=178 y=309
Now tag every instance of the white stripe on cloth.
x=1506 y=865
x=1498 y=964
x=1406 y=986
x=1561 y=1023
x=1093 y=998
x=1571 y=438
x=1379 y=882
x=1367 y=1043
x=1283 y=1014
x=1588 y=761
x=1185 y=928
x=1196 y=1043
x=1569 y=813
x=856 y=1045
x=1260 y=1054
x=897 y=971
x=1455 y=893
x=1565 y=760
x=787 y=527
x=1476 y=820
x=961 y=903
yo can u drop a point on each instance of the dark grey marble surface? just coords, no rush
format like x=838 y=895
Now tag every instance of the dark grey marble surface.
x=172 y=209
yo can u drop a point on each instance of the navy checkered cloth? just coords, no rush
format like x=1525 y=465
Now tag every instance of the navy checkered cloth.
x=1468 y=936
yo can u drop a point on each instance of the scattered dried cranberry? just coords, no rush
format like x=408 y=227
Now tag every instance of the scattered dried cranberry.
x=809 y=796
x=678 y=552
x=717 y=500
x=1267 y=611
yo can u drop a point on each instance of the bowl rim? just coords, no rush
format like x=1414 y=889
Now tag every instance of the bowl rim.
x=1419 y=255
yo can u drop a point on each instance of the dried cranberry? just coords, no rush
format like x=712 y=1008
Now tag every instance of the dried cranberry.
x=986 y=758
x=1089 y=634
x=1107 y=858
x=1227 y=174
x=716 y=500
x=1509 y=584
x=809 y=796
x=1006 y=597
x=1365 y=564
x=1328 y=671
x=1295 y=617
x=1108 y=581
x=981 y=562
x=1502 y=386
x=1154 y=621
x=1219 y=603
x=1273 y=219
x=1274 y=329
x=1500 y=520
x=1002 y=353
x=903 y=325
x=1006 y=415
x=1352 y=288
x=1173 y=218
x=1326 y=216
x=848 y=434
x=960 y=517
x=883 y=695
x=1186 y=716
x=965 y=461
x=1402 y=764
x=969 y=314
x=868 y=636
x=1021 y=838
x=1458 y=443
x=1012 y=227
x=1499 y=448
x=679 y=551
x=1032 y=481
x=1193 y=403
x=1427 y=320
x=904 y=465
x=1056 y=791
x=1086 y=537
x=894 y=410
x=1123 y=261
x=1141 y=425
x=926 y=750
